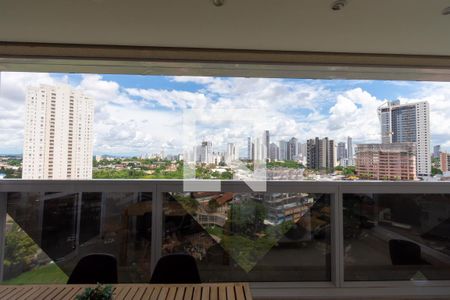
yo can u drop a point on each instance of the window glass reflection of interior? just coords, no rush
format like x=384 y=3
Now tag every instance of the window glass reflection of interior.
x=69 y=226
x=397 y=237
x=251 y=236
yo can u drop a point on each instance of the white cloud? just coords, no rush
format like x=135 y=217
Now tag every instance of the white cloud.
x=297 y=108
x=126 y=126
x=355 y=114
x=170 y=99
x=437 y=94
x=133 y=121
x=121 y=124
x=13 y=87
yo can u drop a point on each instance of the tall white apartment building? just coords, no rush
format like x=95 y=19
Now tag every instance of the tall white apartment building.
x=259 y=150
x=302 y=149
x=232 y=153
x=249 y=148
x=58 y=139
x=283 y=150
x=401 y=123
x=350 y=161
x=266 y=139
x=204 y=153
x=274 y=152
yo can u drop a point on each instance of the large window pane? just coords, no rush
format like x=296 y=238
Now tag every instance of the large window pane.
x=251 y=236
x=397 y=236
x=100 y=126
x=61 y=228
x=25 y=262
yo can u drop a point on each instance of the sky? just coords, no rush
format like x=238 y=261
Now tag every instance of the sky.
x=137 y=114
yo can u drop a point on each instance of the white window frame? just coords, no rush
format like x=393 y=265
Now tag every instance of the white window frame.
x=218 y=62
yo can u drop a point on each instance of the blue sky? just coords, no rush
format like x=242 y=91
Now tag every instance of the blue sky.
x=143 y=114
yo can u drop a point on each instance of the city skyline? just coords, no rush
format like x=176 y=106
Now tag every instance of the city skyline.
x=140 y=114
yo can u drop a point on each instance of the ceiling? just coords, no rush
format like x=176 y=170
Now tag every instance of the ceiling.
x=363 y=26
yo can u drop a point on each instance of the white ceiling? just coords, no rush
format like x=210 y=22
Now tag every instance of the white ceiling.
x=366 y=26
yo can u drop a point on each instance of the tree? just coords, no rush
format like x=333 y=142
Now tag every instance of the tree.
x=14 y=162
x=285 y=164
x=188 y=203
x=226 y=175
x=435 y=171
x=247 y=217
x=19 y=248
x=118 y=174
x=11 y=173
x=349 y=171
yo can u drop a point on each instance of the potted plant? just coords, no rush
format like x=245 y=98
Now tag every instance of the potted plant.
x=100 y=292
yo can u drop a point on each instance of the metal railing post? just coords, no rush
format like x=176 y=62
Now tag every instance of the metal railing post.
x=2 y=232
x=337 y=274
x=78 y=221
x=157 y=227
x=340 y=235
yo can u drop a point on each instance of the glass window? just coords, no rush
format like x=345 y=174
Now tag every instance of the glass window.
x=48 y=233
x=294 y=129
x=251 y=236
x=397 y=237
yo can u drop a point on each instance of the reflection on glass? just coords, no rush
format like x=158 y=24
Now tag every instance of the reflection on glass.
x=68 y=226
x=24 y=260
x=397 y=237
x=251 y=236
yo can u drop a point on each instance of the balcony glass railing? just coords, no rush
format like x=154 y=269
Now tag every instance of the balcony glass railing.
x=329 y=233
x=243 y=237
x=397 y=236
x=53 y=230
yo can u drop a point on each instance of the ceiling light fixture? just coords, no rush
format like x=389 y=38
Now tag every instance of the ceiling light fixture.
x=338 y=5
x=218 y=2
x=446 y=11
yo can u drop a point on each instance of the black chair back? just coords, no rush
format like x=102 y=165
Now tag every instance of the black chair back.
x=95 y=268
x=176 y=268
x=404 y=253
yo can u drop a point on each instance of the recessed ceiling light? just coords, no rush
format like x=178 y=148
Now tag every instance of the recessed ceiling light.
x=446 y=11
x=218 y=2
x=338 y=5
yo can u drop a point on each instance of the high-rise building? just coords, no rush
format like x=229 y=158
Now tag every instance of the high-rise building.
x=436 y=151
x=58 y=139
x=283 y=150
x=258 y=150
x=267 y=142
x=321 y=154
x=217 y=158
x=444 y=159
x=301 y=156
x=408 y=123
x=232 y=153
x=282 y=207
x=253 y=151
x=204 y=153
x=292 y=149
x=302 y=149
x=260 y=153
x=274 y=152
x=341 y=151
x=389 y=161
x=350 y=148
